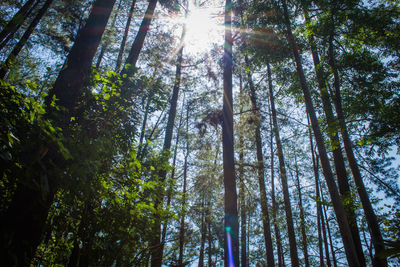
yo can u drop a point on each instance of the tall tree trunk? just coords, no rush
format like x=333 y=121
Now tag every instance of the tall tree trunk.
x=106 y=44
x=370 y=216
x=210 y=240
x=125 y=37
x=260 y=170
x=328 y=228
x=16 y=22
x=274 y=204
x=342 y=178
x=157 y=252
x=321 y=218
x=171 y=187
x=139 y=40
x=18 y=47
x=285 y=190
x=318 y=203
x=242 y=197
x=231 y=244
x=302 y=219
x=183 y=211
x=203 y=234
x=26 y=216
x=351 y=253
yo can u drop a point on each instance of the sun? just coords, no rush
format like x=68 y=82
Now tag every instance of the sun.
x=204 y=28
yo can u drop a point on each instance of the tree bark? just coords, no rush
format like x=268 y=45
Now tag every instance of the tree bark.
x=16 y=22
x=157 y=252
x=342 y=178
x=139 y=40
x=260 y=170
x=104 y=47
x=26 y=216
x=318 y=203
x=231 y=244
x=171 y=189
x=18 y=47
x=274 y=204
x=282 y=169
x=351 y=253
x=185 y=167
x=242 y=196
x=325 y=218
x=203 y=234
x=373 y=225
x=302 y=218
x=125 y=37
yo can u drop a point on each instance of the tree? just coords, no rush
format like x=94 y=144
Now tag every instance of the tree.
x=231 y=226
x=27 y=212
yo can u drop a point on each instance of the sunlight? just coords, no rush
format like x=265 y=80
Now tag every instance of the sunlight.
x=204 y=28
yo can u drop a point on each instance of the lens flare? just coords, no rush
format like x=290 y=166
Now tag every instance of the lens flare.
x=231 y=263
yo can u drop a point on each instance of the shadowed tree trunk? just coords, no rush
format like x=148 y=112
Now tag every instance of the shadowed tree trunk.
x=106 y=44
x=302 y=219
x=274 y=204
x=18 y=47
x=260 y=171
x=185 y=167
x=318 y=203
x=139 y=40
x=171 y=189
x=321 y=219
x=16 y=22
x=157 y=251
x=26 y=216
x=125 y=37
x=351 y=253
x=210 y=249
x=325 y=218
x=370 y=216
x=231 y=239
x=344 y=187
x=242 y=198
x=203 y=234
x=282 y=169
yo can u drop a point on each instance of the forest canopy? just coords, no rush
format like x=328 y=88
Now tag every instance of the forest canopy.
x=199 y=133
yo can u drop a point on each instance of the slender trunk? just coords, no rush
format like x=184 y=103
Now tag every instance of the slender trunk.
x=302 y=219
x=10 y=35
x=373 y=225
x=157 y=252
x=16 y=22
x=146 y=114
x=344 y=228
x=242 y=201
x=203 y=235
x=125 y=37
x=18 y=47
x=171 y=187
x=139 y=40
x=274 y=204
x=325 y=218
x=231 y=244
x=105 y=46
x=101 y=55
x=260 y=170
x=210 y=249
x=321 y=218
x=285 y=190
x=185 y=167
x=342 y=178
x=26 y=216
x=318 y=203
